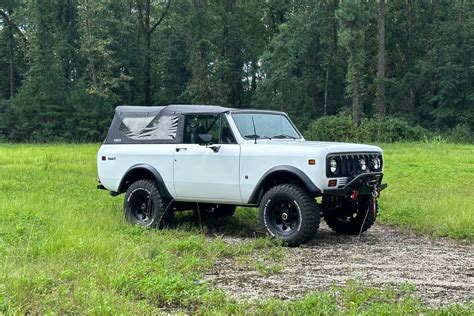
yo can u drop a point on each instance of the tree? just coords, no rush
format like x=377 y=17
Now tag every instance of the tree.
x=148 y=27
x=39 y=111
x=96 y=36
x=353 y=17
x=12 y=29
x=380 y=94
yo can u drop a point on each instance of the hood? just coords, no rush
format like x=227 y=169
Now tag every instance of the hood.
x=330 y=147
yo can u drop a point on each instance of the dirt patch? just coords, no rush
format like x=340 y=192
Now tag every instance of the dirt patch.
x=442 y=270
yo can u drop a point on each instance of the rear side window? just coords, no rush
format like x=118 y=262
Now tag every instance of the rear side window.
x=138 y=128
x=150 y=128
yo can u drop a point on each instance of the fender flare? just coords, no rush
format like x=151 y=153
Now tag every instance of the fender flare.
x=308 y=184
x=156 y=176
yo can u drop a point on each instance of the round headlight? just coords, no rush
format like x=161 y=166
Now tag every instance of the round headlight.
x=333 y=165
x=362 y=164
x=376 y=163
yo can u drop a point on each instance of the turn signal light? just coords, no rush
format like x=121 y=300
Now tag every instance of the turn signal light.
x=332 y=183
x=311 y=162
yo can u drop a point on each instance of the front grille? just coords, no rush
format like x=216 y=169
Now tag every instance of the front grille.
x=341 y=182
x=349 y=166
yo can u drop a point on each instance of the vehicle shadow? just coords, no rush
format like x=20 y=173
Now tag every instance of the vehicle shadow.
x=243 y=224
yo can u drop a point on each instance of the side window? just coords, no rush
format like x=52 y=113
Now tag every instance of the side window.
x=227 y=137
x=201 y=124
x=162 y=128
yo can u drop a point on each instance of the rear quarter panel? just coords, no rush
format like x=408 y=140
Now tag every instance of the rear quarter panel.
x=120 y=158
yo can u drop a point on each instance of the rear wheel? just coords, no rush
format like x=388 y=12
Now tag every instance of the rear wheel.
x=348 y=217
x=288 y=212
x=144 y=205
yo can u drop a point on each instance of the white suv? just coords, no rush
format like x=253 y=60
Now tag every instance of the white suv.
x=211 y=159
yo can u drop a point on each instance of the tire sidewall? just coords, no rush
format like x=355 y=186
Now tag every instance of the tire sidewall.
x=148 y=188
x=266 y=209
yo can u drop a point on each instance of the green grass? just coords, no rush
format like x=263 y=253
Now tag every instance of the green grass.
x=431 y=188
x=66 y=248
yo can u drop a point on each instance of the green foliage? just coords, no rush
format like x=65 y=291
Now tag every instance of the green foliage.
x=90 y=114
x=307 y=58
x=461 y=133
x=342 y=128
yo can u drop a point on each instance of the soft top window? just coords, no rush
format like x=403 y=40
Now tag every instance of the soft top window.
x=163 y=127
x=144 y=127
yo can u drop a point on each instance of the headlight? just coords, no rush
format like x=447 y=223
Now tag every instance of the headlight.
x=362 y=164
x=376 y=163
x=333 y=165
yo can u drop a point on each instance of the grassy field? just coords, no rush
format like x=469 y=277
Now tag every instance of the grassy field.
x=431 y=188
x=65 y=247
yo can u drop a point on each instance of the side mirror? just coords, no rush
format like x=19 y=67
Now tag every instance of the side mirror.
x=205 y=139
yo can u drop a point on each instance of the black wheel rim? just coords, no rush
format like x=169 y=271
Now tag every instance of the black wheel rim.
x=284 y=217
x=142 y=207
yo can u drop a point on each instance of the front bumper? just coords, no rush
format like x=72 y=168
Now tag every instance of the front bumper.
x=364 y=184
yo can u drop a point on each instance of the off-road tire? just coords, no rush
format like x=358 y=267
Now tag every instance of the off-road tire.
x=350 y=225
x=302 y=204
x=221 y=210
x=155 y=213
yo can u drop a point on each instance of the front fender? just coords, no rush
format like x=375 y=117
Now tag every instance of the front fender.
x=291 y=172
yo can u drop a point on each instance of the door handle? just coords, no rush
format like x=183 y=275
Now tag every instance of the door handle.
x=214 y=147
x=180 y=148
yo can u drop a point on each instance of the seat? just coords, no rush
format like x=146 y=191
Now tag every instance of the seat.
x=227 y=137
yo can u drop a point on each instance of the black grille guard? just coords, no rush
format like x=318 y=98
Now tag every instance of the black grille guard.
x=364 y=184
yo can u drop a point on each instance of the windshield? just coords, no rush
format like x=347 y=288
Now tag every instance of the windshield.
x=267 y=125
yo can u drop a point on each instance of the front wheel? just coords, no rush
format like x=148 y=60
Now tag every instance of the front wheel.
x=288 y=212
x=348 y=217
x=144 y=205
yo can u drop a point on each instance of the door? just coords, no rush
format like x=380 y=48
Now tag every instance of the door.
x=207 y=173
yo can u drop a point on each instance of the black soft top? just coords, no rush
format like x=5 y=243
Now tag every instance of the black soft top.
x=154 y=124
x=158 y=124
x=172 y=109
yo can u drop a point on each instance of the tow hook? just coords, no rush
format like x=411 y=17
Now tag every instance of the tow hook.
x=354 y=195
x=375 y=195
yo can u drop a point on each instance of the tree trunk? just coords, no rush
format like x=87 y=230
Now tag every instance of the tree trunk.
x=148 y=30
x=147 y=71
x=11 y=61
x=325 y=110
x=356 y=113
x=146 y=62
x=411 y=98
x=380 y=93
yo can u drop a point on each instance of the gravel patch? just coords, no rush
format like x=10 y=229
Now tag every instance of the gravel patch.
x=442 y=270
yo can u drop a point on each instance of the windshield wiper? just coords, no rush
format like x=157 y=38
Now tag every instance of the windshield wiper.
x=284 y=136
x=257 y=137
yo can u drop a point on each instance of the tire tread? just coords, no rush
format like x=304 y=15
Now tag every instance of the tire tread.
x=309 y=211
